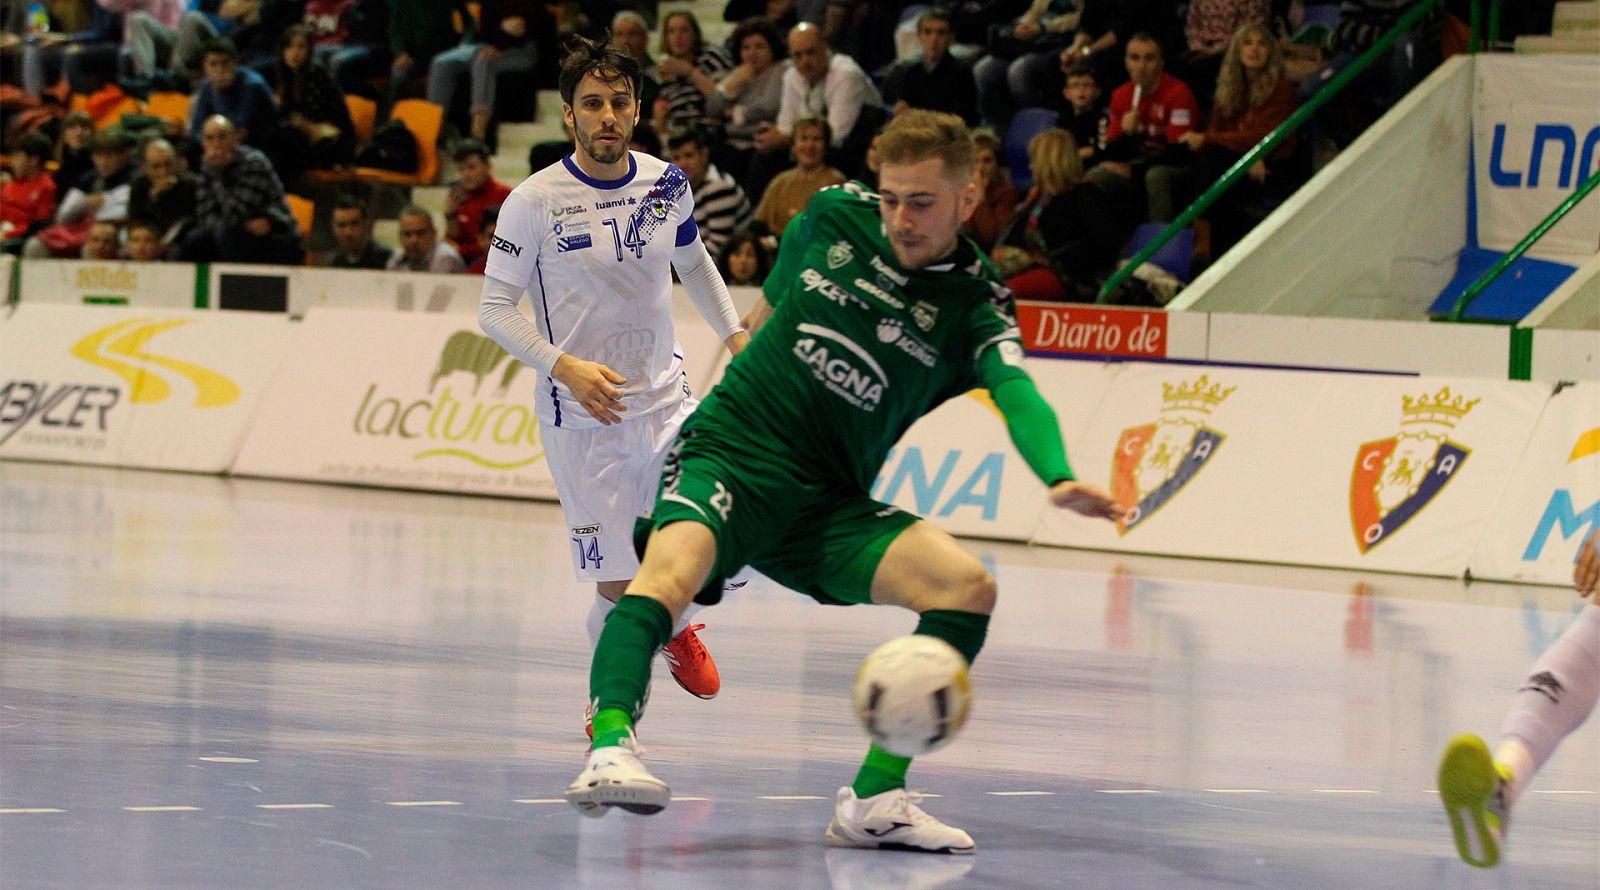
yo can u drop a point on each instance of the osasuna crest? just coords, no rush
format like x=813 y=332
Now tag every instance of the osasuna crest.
x=1155 y=461
x=1395 y=478
x=839 y=255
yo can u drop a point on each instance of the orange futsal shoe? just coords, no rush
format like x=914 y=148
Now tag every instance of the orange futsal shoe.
x=691 y=664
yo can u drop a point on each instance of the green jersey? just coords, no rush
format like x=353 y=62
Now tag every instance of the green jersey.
x=858 y=348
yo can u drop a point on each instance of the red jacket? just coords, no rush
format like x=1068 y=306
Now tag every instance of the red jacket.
x=463 y=227
x=1165 y=114
x=24 y=201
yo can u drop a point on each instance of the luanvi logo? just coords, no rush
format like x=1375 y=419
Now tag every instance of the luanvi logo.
x=490 y=431
x=120 y=349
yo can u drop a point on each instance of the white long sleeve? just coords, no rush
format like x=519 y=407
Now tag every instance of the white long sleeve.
x=499 y=318
x=706 y=288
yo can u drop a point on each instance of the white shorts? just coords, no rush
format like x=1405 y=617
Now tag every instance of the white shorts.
x=606 y=477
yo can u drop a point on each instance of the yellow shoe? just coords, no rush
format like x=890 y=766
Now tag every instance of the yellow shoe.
x=1473 y=789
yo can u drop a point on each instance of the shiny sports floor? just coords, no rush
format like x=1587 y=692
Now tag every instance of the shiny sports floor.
x=233 y=684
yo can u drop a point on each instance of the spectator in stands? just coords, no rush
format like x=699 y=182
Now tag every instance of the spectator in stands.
x=745 y=260
x=1210 y=25
x=144 y=242
x=362 y=52
x=828 y=85
x=1387 y=80
x=316 y=132
x=238 y=94
x=750 y=93
x=28 y=198
x=101 y=195
x=240 y=213
x=488 y=221
x=645 y=139
x=73 y=157
x=781 y=13
x=352 y=235
x=1062 y=228
x=998 y=203
x=505 y=44
x=164 y=194
x=420 y=249
x=158 y=43
x=420 y=31
x=631 y=34
x=690 y=69
x=475 y=191
x=936 y=81
x=1017 y=72
x=1104 y=29
x=83 y=38
x=167 y=14
x=1253 y=97
x=720 y=206
x=331 y=24
x=1083 y=114
x=1149 y=116
x=103 y=242
x=791 y=190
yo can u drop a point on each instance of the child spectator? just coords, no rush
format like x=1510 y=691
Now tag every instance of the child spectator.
x=745 y=261
x=29 y=196
x=1084 y=115
x=144 y=242
x=471 y=194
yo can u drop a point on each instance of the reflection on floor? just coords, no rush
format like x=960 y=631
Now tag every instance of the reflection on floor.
x=237 y=683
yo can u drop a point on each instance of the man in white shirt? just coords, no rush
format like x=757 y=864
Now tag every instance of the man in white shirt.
x=825 y=84
x=593 y=240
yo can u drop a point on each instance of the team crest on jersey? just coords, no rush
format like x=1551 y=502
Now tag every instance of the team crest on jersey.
x=1395 y=478
x=924 y=314
x=839 y=255
x=657 y=208
x=1155 y=461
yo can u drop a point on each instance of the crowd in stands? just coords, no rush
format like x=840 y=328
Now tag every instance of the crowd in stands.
x=1095 y=115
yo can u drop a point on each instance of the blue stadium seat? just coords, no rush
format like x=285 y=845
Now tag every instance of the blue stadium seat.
x=1028 y=123
x=1174 y=256
x=1514 y=294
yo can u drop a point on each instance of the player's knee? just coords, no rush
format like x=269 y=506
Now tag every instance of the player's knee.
x=972 y=590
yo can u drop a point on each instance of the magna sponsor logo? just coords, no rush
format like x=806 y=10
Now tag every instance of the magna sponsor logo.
x=1562 y=515
x=491 y=432
x=891 y=330
x=841 y=365
x=816 y=282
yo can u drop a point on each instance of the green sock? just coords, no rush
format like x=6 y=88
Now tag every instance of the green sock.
x=881 y=772
x=965 y=631
x=619 y=678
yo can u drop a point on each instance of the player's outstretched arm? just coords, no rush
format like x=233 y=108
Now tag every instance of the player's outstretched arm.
x=709 y=293
x=1036 y=432
x=757 y=316
x=1586 y=574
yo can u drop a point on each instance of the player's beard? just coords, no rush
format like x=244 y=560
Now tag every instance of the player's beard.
x=604 y=154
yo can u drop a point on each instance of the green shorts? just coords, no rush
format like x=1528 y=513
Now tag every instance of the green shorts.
x=765 y=512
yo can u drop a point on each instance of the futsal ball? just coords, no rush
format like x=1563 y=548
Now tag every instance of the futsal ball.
x=912 y=694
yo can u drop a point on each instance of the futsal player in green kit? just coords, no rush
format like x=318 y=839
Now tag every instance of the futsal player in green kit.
x=876 y=312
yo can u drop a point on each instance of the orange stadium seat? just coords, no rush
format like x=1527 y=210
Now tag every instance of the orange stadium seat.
x=168 y=106
x=424 y=119
x=363 y=114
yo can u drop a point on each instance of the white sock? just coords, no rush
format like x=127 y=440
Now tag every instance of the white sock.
x=1559 y=694
x=596 y=622
x=683 y=622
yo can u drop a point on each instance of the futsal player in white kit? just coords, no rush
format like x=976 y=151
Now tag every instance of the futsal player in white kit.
x=1478 y=789
x=590 y=240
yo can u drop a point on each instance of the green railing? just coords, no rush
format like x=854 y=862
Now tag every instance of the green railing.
x=1274 y=139
x=1477 y=287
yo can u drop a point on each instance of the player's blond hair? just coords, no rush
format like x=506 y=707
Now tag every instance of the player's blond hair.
x=917 y=135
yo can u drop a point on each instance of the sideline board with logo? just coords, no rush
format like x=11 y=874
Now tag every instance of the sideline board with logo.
x=1393 y=474
x=1111 y=332
x=400 y=400
x=141 y=285
x=159 y=389
x=1536 y=137
x=1552 y=501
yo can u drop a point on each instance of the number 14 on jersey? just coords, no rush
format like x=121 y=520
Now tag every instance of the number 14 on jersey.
x=631 y=240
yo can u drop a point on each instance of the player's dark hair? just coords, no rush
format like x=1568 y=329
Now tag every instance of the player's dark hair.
x=347 y=201
x=469 y=148
x=604 y=61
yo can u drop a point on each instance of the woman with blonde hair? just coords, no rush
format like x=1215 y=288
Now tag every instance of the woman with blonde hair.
x=1253 y=97
x=1064 y=238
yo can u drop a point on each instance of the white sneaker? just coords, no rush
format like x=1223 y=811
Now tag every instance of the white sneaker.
x=615 y=777
x=890 y=821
